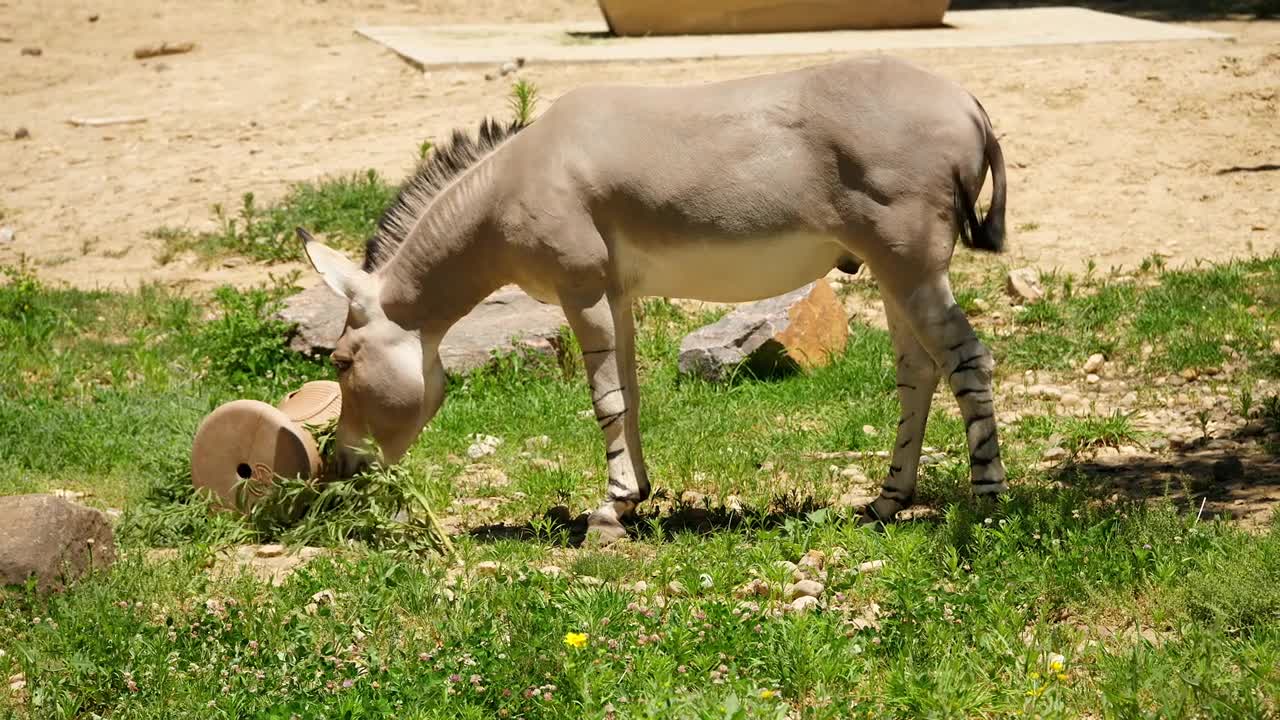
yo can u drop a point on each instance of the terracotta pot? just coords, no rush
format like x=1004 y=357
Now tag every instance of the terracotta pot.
x=243 y=445
x=704 y=17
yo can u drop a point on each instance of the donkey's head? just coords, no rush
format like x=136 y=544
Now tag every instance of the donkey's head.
x=379 y=365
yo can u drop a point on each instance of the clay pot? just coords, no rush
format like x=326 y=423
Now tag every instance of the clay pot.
x=242 y=446
x=702 y=17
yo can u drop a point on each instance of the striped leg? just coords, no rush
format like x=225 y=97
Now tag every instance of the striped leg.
x=917 y=377
x=607 y=353
x=945 y=332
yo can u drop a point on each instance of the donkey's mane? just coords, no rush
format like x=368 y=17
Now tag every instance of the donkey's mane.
x=431 y=176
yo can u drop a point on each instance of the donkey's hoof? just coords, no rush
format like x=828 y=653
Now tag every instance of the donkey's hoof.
x=604 y=530
x=880 y=511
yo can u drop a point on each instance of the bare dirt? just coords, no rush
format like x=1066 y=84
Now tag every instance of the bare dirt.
x=1116 y=151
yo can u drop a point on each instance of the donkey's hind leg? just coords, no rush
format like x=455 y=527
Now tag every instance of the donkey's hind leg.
x=917 y=376
x=944 y=331
x=604 y=328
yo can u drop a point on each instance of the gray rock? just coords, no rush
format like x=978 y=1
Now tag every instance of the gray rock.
x=7 y=234
x=506 y=321
x=799 y=329
x=52 y=540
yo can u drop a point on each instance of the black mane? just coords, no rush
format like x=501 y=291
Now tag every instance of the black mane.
x=433 y=174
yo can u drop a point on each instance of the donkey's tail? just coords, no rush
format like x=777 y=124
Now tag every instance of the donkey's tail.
x=987 y=233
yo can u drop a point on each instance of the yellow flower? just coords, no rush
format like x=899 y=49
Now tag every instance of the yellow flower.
x=575 y=640
x=1034 y=675
x=1062 y=677
x=1056 y=666
x=767 y=694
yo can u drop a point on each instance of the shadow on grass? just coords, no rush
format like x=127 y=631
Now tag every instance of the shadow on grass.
x=1236 y=482
x=1162 y=10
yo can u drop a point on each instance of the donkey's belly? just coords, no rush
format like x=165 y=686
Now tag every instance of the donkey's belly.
x=723 y=270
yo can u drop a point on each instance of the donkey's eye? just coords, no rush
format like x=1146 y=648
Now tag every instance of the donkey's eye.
x=341 y=363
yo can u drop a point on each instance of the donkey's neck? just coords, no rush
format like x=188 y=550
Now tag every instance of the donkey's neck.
x=450 y=260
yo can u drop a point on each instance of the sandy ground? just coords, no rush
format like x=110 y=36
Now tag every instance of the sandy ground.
x=1116 y=151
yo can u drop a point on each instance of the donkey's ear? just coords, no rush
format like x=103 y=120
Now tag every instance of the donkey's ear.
x=341 y=275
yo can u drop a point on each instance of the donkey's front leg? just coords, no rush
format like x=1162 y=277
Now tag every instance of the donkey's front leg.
x=605 y=332
x=917 y=377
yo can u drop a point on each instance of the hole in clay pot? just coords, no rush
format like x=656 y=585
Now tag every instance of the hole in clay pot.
x=244 y=471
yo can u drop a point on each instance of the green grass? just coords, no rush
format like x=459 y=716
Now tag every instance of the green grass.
x=1186 y=316
x=344 y=209
x=101 y=392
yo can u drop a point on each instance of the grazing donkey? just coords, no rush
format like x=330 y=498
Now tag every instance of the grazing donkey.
x=729 y=191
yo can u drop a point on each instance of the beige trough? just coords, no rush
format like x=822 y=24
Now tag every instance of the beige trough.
x=718 y=17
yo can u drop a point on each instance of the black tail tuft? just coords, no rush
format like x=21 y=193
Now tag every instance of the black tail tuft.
x=985 y=234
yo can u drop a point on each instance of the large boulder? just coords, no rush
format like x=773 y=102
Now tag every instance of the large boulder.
x=801 y=329
x=51 y=539
x=506 y=321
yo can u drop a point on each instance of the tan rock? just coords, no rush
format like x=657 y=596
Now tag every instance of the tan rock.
x=52 y=540
x=1024 y=285
x=802 y=329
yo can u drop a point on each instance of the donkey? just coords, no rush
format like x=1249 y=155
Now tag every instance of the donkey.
x=729 y=191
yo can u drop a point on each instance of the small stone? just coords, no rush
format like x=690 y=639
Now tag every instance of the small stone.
x=1053 y=454
x=488 y=568
x=1158 y=444
x=870 y=430
x=675 y=587
x=539 y=442
x=484 y=445
x=814 y=559
x=17 y=682
x=21 y=134
x=804 y=603
x=551 y=570
x=810 y=588
x=1189 y=374
x=520 y=62
x=981 y=305
x=1047 y=392
x=1024 y=284
x=754 y=588
x=32 y=51
x=1094 y=363
x=490 y=76
x=93 y=18
x=693 y=498
x=269 y=551
x=590 y=581
x=853 y=472
x=1092 y=379
x=1228 y=469
x=870 y=566
x=507 y=68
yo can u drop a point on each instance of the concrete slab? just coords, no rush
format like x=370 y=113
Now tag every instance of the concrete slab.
x=458 y=45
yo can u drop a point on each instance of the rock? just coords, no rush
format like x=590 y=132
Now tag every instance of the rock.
x=1228 y=469
x=1092 y=378
x=804 y=603
x=693 y=498
x=507 y=68
x=814 y=559
x=269 y=551
x=1189 y=374
x=539 y=442
x=32 y=51
x=93 y=18
x=1094 y=363
x=52 y=540
x=870 y=566
x=7 y=234
x=482 y=446
x=590 y=581
x=754 y=588
x=801 y=329
x=810 y=588
x=488 y=568
x=1024 y=284
x=853 y=472
x=506 y=321
x=870 y=430
x=677 y=588
x=21 y=134
x=1053 y=453
x=551 y=570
